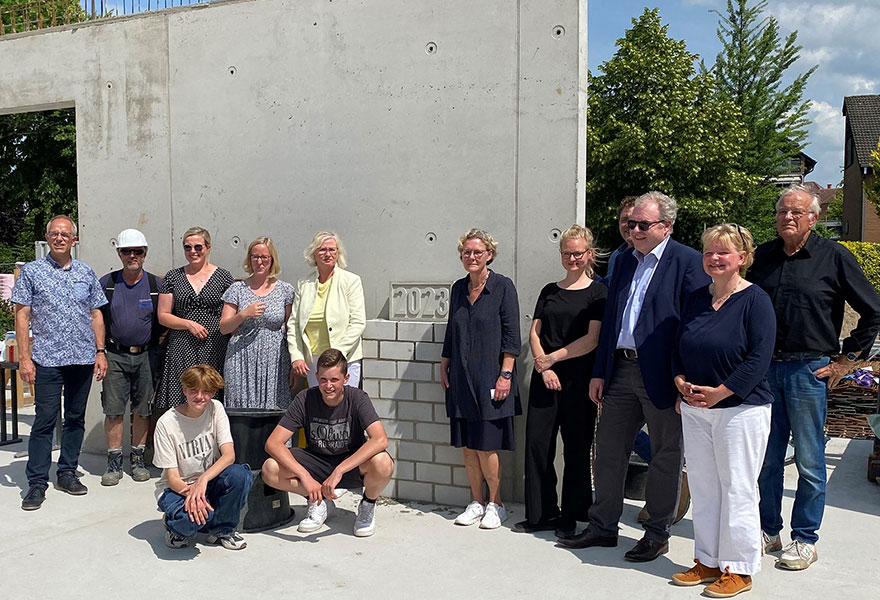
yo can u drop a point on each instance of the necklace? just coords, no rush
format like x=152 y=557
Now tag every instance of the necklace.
x=473 y=287
x=723 y=299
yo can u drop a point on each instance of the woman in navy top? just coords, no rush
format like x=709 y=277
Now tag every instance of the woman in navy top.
x=481 y=344
x=725 y=345
x=563 y=337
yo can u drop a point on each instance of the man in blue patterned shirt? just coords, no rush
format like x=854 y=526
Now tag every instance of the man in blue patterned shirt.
x=58 y=298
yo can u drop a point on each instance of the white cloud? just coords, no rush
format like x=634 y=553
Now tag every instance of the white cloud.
x=827 y=122
x=861 y=85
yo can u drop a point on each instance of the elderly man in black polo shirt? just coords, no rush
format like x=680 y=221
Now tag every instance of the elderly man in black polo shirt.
x=809 y=279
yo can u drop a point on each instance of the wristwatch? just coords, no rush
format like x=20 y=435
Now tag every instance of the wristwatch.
x=507 y=374
x=100 y=351
x=851 y=356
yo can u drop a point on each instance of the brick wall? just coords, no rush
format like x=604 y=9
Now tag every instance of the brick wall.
x=402 y=377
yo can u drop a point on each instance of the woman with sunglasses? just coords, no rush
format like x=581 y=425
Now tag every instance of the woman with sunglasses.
x=725 y=343
x=190 y=302
x=255 y=313
x=477 y=373
x=563 y=336
x=328 y=311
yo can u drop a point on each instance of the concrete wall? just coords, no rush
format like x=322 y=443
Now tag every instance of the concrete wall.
x=400 y=125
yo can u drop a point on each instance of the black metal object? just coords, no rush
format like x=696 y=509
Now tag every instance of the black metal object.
x=267 y=508
x=5 y=438
x=636 y=479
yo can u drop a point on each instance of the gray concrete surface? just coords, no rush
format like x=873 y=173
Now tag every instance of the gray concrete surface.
x=109 y=544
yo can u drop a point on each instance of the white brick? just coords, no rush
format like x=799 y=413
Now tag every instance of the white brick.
x=452 y=496
x=430 y=392
x=448 y=455
x=429 y=351
x=440 y=414
x=371 y=349
x=397 y=350
x=415 y=451
x=415 y=411
x=399 y=430
x=415 y=331
x=433 y=473
x=437 y=373
x=430 y=432
x=371 y=387
x=380 y=369
x=386 y=409
x=404 y=470
x=459 y=476
x=439 y=331
x=380 y=329
x=413 y=490
x=396 y=390
x=414 y=371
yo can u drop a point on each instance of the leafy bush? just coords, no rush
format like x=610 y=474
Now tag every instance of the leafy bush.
x=868 y=256
x=7 y=317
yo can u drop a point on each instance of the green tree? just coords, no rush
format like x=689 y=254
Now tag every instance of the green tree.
x=655 y=123
x=751 y=70
x=20 y=15
x=37 y=173
x=872 y=183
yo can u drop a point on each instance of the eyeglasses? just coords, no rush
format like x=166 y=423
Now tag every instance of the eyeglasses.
x=261 y=258
x=795 y=214
x=574 y=255
x=642 y=225
x=475 y=253
x=135 y=251
x=194 y=247
x=59 y=234
x=328 y=250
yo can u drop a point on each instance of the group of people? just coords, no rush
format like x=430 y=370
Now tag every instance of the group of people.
x=723 y=355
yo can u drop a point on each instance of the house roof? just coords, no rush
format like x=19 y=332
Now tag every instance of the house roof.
x=863 y=115
x=825 y=194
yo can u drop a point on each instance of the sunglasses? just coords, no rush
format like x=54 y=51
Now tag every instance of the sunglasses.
x=135 y=251
x=642 y=225
x=196 y=247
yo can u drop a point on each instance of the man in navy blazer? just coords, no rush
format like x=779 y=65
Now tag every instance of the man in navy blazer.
x=633 y=377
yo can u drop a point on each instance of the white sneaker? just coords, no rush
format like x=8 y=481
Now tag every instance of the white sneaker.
x=316 y=516
x=494 y=517
x=798 y=555
x=365 y=523
x=230 y=541
x=472 y=514
x=772 y=543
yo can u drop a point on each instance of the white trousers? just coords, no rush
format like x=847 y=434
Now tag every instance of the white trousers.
x=724 y=448
x=354 y=373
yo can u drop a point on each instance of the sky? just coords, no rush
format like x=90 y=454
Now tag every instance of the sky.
x=840 y=36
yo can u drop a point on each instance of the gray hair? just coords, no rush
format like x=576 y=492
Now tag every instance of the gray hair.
x=61 y=217
x=667 y=205
x=815 y=207
x=317 y=240
x=482 y=235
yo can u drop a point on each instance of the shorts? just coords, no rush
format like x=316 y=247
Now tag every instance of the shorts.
x=129 y=377
x=320 y=466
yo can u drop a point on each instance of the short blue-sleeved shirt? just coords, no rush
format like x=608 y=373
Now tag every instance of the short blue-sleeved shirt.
x=61 y=301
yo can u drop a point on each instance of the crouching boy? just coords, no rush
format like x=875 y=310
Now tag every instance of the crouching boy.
x=204 y=491
x=337 y=454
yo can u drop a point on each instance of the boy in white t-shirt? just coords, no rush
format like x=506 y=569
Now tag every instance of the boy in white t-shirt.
x=201 y=487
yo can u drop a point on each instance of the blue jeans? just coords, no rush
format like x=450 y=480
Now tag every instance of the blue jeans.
x=76 y=381
x=800 y=403
x=227 y=494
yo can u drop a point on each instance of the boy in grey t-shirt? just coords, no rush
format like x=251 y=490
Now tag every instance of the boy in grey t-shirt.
x=201 y=487
x=338 y=454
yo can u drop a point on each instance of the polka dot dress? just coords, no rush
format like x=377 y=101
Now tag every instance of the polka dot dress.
x=184 y=349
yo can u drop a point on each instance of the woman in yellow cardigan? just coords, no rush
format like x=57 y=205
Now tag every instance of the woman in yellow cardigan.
x=328 y=311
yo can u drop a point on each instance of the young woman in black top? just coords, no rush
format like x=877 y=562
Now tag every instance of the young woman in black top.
x=564 y=333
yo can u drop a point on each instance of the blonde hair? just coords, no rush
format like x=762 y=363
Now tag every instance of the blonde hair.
x=482 y=235
x=734 y=236
x=580 y=232
x=200 y=231
x=202 y=377
x=275 y=270
x=317 y=240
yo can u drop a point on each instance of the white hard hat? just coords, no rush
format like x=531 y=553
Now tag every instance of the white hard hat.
x=131 y=238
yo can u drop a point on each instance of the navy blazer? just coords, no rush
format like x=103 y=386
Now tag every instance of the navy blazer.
x=678 y=274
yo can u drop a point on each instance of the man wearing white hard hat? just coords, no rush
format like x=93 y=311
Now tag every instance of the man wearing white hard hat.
x=133 y=333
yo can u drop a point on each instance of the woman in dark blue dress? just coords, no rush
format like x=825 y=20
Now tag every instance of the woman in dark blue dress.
x=477 y=372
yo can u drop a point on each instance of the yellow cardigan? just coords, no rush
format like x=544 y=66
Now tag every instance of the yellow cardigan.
x=344 y=311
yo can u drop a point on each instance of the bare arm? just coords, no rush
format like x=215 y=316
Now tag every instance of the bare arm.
x=581 y=346
x=276 y=447
x=377 y=442
x=100 y=336
x=172 y=321
x=26 y=367
x=196 y=502
x=535 y=340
